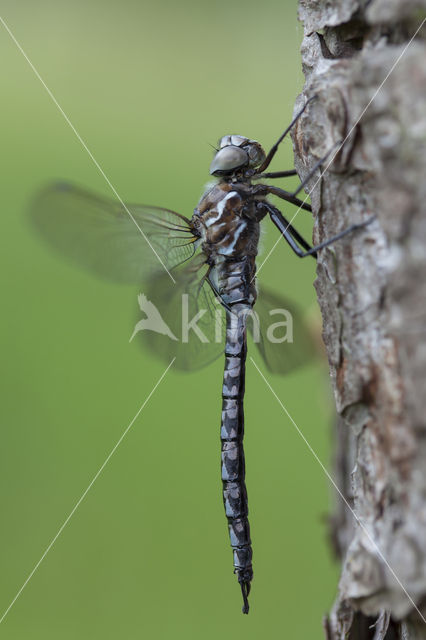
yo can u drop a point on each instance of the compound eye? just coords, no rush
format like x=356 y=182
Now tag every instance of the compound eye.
x=256 y=155
x=238 y=141
x=224 y=142
x=227 y=159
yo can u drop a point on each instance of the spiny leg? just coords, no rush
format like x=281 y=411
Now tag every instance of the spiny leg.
x=291 y=235
x=278 y=174
x=274 y=149
x=290 y=196
x=264 y=189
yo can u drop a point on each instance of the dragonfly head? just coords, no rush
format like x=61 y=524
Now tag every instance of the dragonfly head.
x=234 y=154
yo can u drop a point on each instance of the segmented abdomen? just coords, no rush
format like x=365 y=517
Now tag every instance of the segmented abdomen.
x=232 y=433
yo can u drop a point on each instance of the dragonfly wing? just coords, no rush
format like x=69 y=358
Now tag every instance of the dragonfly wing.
x=137 y=243
x=280 y=333
x=125 y=244
x=182 y=321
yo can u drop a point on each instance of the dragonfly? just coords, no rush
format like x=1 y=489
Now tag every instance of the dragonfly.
x=210 y=261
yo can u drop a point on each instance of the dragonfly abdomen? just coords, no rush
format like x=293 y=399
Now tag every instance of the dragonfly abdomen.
x=232 y=434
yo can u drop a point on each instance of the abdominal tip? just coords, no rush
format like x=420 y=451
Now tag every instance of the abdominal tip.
x=245 y=589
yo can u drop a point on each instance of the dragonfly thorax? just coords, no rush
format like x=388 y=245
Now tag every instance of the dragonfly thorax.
x=235 y=154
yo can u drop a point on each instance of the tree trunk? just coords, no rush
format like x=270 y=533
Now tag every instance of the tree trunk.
x=371 y=287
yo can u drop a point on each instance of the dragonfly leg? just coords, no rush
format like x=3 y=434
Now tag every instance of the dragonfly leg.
x=264 y=189
x=292 y=236
x=277 y=174
x=290 y=196
x=274 y=149
x=293 y=172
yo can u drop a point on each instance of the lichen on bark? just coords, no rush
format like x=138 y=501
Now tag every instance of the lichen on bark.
x=371 y=287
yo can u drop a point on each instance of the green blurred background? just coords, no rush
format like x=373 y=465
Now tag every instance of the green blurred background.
x=148 y=85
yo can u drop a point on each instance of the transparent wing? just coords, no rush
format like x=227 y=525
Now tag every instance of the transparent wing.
x=181 y=319
x=133 y=244
x=277 y=327
x=190 y=323
x=123 y=244
x=280 y=333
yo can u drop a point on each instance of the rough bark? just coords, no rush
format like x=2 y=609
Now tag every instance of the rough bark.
x=371 y=288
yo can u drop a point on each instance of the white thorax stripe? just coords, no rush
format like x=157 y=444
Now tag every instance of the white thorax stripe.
x=220 y=207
